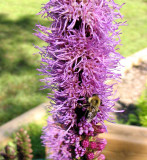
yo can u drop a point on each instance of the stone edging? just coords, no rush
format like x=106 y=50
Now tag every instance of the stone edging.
x=133 y=60
x=35 y=114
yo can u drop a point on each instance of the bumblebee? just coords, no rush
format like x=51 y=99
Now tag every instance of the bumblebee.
x=93 y=108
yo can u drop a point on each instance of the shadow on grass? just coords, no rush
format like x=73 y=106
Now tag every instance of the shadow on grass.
x=16 y=42
x=130 y=115
x=19 y=82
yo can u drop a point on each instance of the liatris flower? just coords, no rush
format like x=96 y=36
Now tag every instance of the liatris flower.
x=8 y=154
x=85 y=143
x=90 y=156
x=78 y=61
x=23 y=144
x=101 y=157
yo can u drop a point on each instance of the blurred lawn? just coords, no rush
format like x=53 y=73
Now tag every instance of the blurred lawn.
x=19 y=85
x=134 y=37
x=19 y=82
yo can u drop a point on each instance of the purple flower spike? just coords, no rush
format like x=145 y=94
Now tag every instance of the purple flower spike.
x=78 y=62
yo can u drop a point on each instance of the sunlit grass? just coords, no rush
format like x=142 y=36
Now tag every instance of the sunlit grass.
x=134 y=36
x=19 y=82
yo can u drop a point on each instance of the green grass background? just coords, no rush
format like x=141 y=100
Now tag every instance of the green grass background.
x=19 y=82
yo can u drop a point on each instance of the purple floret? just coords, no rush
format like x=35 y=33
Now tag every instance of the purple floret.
x=79 y=60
